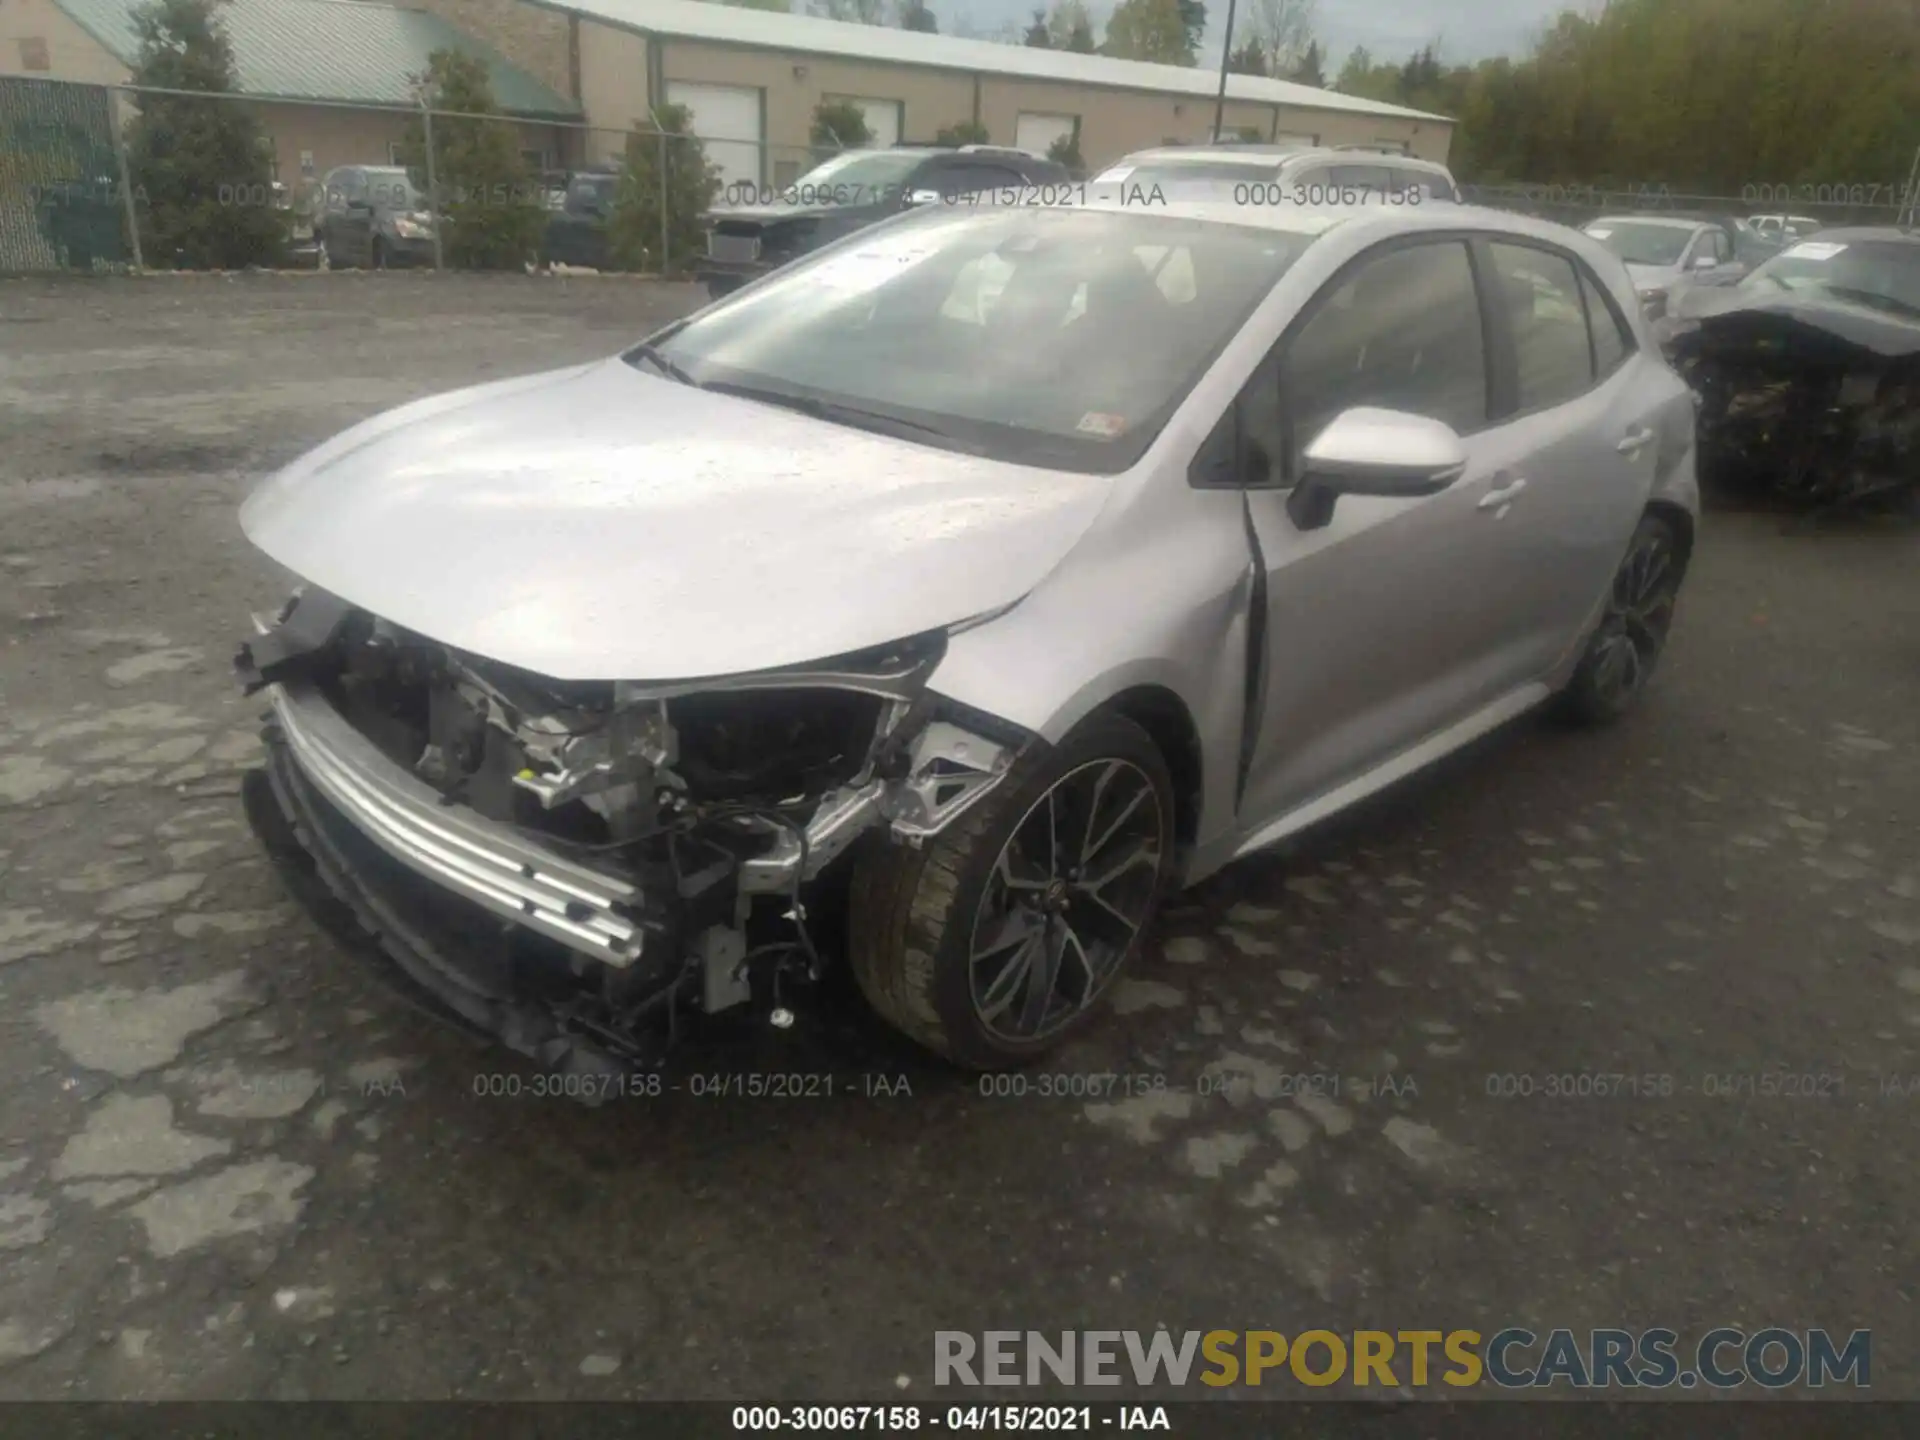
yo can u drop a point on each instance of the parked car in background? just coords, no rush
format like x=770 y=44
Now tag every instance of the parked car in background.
x=1784 y=229
x=373 y=216
x=1313 y=171
x=1809 y=370
x=303 y=246
x=576 y=232
x=1216 y=520
x=1665 y=252
x=851 y=191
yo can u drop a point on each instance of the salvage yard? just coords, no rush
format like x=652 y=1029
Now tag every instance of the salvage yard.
x=231 y=1166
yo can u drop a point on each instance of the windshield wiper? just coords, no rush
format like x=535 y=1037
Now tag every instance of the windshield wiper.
x=839 y=413
x=670 y=368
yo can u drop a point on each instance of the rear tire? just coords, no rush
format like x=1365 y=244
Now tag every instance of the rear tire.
x=987 y=949
x=1626 y=646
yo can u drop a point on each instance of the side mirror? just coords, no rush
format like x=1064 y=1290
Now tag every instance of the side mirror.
x=1368 y=451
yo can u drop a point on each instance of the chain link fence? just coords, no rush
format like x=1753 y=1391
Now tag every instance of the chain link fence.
x=90 y=180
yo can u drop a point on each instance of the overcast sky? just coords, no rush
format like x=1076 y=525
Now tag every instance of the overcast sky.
x=1467 y=30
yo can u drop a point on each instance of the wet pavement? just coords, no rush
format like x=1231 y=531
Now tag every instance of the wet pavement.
x=230 y=1165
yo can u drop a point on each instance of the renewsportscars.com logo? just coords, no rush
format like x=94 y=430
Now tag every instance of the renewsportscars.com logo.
x=1511 y=1359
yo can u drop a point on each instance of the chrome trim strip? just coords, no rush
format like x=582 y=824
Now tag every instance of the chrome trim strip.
x=508 y=874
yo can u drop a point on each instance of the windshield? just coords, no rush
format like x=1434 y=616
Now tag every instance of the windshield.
x=854 y=177
x=1159 y=172
x=1020 y=333
x=392 y=190
x=1642 y=242
x=1882 y=273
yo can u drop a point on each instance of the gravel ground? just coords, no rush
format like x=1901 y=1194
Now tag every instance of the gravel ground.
x=230 y=1166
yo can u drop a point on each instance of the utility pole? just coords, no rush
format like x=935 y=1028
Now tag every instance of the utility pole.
x=1220 y=100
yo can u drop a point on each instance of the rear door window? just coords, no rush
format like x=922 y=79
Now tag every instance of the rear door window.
x=1612 y=340
x=1539 y=292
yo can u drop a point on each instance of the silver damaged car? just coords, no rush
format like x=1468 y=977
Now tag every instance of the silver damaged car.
x=993 y=572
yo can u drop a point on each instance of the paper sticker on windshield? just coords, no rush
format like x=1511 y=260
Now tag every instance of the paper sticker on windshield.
x=1814 y=250
x=865 y=269
x=1599 y=232
x=1113 y=176
x=1107 y=427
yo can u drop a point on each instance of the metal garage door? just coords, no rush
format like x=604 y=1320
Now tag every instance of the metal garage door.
x=727 y=118
x=1037 y=133
x=882 y=116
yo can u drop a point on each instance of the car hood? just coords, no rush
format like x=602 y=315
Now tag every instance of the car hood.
x=600 y=523
x=765 y=215
x=1809 y=318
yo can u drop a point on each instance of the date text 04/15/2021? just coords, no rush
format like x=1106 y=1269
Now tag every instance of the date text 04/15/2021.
x=699 y=1085
x=953 y=1419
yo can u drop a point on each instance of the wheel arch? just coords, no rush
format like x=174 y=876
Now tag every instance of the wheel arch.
x=1170 y=725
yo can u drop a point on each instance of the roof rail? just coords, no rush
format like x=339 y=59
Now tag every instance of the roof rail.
x=998 y=150
x=1374 y=148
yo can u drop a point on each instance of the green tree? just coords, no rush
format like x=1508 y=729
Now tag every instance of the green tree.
x=852 y=12
x=202 y=167
x=918 y=15
x=1193 y=25
x=966 y=132
x=1248 y=58
x=484 y=197
x=669 y=165
x=839 y=125
x=1038 y=36
x=1307 y=71
x=1070 y=27
x=1066 y=151
x=1149 y=30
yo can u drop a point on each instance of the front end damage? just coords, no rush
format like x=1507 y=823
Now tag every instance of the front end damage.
x=577 y=868
x=1811 y=409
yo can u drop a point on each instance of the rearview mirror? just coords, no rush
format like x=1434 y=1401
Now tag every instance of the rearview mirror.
x=1369 y=451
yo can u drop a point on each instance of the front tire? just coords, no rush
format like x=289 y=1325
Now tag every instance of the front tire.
x=996 y=942
x=1627 y=644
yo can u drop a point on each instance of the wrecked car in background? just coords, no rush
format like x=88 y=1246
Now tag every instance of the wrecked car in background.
x=1808 y=371
x=910 y=570
x=1667 y=253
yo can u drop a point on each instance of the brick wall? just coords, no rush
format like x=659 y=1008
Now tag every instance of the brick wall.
x=532 y=38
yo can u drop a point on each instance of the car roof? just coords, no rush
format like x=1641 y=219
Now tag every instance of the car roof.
x=1872 y=232
x=1672 y=222
x=1264 y=156
x=1309 y=220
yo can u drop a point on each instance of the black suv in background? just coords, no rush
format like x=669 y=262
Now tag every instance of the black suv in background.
x=576 y=231
x=372 y=215
x=756 y=232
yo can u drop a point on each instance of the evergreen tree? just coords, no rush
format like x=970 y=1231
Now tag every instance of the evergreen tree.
x=485 y=201
x=839 y=125
x=689 y=182
x=201 y=170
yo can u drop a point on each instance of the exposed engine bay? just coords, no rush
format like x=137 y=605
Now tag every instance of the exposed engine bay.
x=1794 y=407
x=573 y=867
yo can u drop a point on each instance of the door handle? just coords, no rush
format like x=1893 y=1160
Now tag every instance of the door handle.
x=1634 y=441
x=1503 y=497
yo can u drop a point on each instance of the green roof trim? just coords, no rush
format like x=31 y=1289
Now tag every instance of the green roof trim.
x=351 y=50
